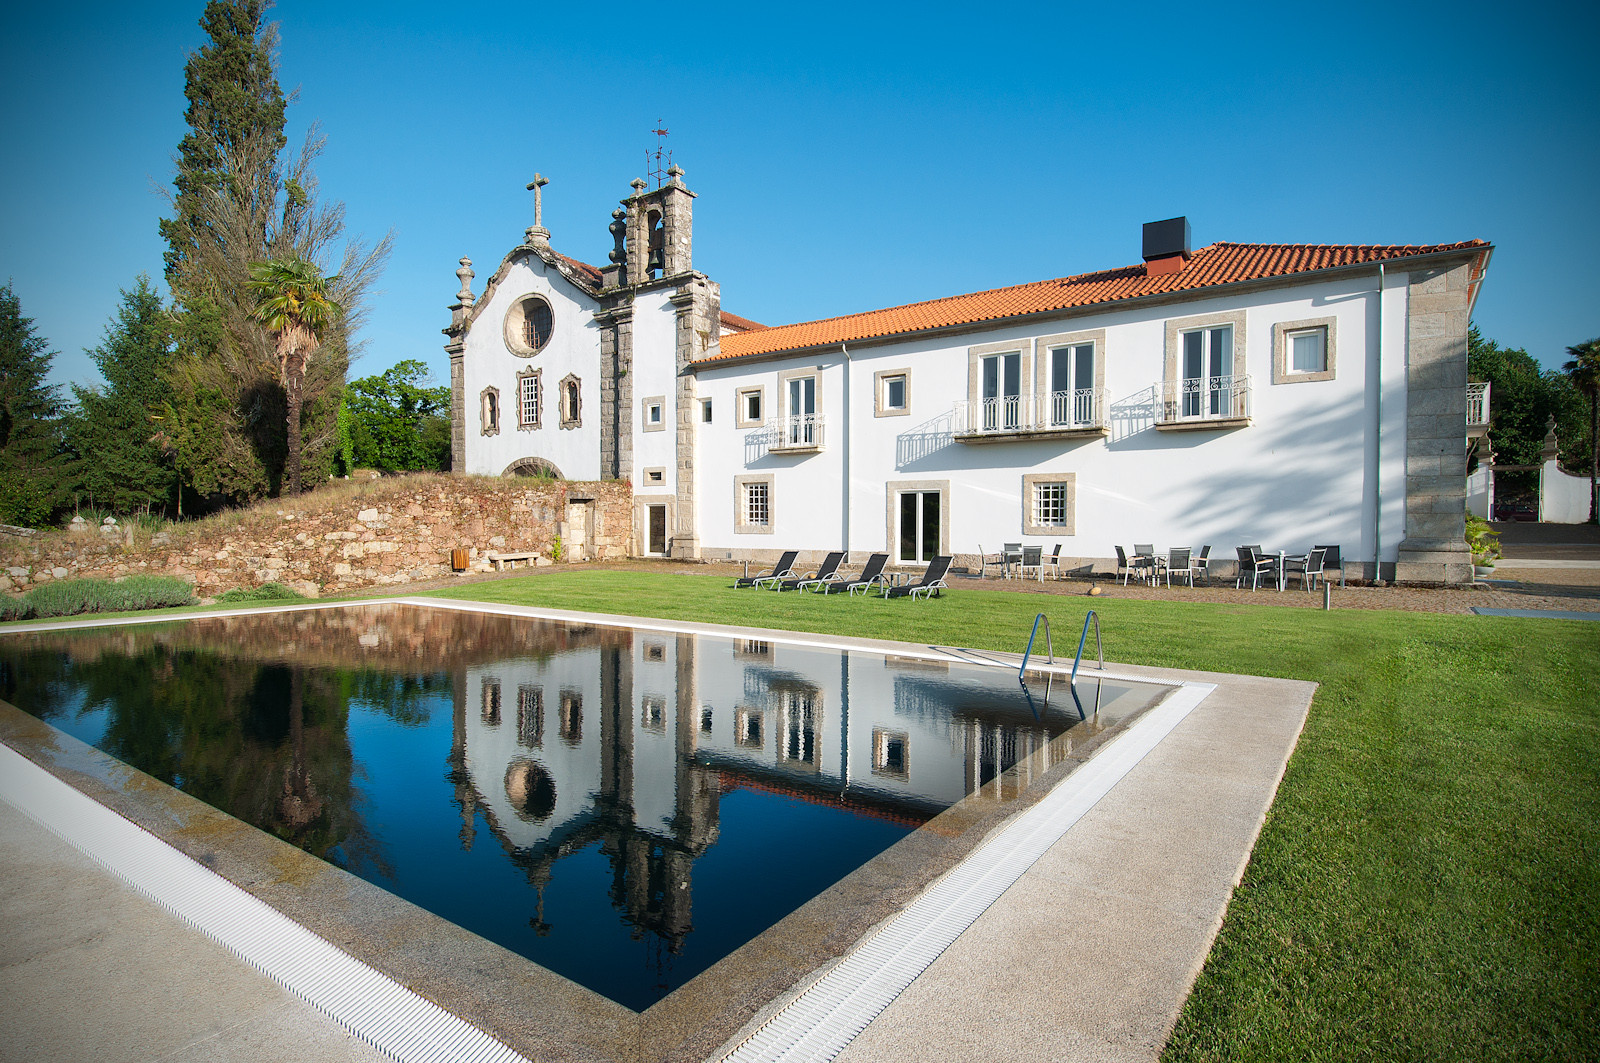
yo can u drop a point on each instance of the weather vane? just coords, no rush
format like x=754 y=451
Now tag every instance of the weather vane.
x=659 y=161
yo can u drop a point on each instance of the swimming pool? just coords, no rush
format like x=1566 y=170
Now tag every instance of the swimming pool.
x=622 y=806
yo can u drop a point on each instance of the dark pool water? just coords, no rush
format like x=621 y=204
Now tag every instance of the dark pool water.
x=623 y=807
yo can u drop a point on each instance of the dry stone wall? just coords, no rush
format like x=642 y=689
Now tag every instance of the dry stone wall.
x=391 y=533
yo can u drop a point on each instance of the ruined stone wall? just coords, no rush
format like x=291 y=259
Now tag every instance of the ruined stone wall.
x=390 y=533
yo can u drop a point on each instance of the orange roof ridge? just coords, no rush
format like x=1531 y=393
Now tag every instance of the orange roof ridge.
x=1209 y=266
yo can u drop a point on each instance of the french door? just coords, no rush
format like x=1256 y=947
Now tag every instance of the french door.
x=919 y=526
x=1002 y=391
x=1208 y=372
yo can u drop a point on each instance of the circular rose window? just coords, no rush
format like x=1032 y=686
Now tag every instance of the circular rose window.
x=528 y=325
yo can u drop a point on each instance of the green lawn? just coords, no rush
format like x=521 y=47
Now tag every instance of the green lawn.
x=1427 y=884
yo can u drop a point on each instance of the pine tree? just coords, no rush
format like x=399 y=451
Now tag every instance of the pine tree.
x=116 y=431
x=34 y=473
x=238 y=201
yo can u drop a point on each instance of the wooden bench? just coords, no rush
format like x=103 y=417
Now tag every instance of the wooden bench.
x=502 y=560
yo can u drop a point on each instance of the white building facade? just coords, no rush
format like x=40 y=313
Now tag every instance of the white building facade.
x=1283 y=395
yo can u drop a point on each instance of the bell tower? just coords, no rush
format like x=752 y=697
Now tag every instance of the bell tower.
x=659 y=230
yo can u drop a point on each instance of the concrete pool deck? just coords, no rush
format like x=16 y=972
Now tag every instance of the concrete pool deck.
x=1088 y=956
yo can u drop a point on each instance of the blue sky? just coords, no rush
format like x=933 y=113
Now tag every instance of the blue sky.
x=846 y=157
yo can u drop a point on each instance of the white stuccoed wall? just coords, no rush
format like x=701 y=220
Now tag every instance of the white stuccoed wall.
x=1302 y=473
x=655 y=373
x=574 y=347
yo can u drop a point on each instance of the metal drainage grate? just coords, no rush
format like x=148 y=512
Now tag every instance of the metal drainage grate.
x=821 y=1021
x=371 y=1005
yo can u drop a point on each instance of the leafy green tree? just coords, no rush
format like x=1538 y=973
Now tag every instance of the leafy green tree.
x=116 y=430
x=1522 y=399
x=398 y=423
x=292 y=301
x=1583 y=369
x=34 y=471
x=240 y=199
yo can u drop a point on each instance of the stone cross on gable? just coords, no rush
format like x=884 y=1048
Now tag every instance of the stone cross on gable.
x=537 y=187
x=537 y=233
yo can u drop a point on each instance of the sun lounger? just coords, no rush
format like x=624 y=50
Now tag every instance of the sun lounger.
x=931 y=583
x=784 y=569
x=828 y=570
x=871 y=576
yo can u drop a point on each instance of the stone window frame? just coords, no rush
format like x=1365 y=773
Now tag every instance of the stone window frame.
x=489 y=411
x=1044 y=345
x=881 y=739
x=1177 y=326
x=644 y=413
x=742 y=526
x=516 y=316
x=536 y=375
x=1030 y=483
x=880 y=393
x=892 y=491
x=1282 y=372
x=1025 y=371
x=657 y=471
x=573 y=417
x=739 y=418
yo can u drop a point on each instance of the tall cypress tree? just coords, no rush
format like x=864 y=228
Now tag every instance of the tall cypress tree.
x=116 y=430
x=33 y=463
x=238 y=200
x=236 y=112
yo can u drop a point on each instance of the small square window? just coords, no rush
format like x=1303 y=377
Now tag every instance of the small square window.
x=749 y=406
x=894 y=393
x=655 y=413
x=1050 y=502
x=655 y=476
x=1308 y=351
x=705 y=411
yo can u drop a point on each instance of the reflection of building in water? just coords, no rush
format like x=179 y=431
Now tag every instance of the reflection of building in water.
x=654 y=729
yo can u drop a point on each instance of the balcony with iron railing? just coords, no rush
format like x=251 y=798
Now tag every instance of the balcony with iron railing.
x=1057 y=414
x=796 y=435
x=1477 y=409
x=1203 y=403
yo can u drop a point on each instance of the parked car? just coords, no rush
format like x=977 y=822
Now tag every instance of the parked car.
x=1520 y=511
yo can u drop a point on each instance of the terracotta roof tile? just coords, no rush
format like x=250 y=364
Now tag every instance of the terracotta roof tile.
x=1215 y=264
x=591 y=273
x=739 y=324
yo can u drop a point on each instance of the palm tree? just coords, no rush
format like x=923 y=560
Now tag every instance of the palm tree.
x=292 y=301
x=1584 y=372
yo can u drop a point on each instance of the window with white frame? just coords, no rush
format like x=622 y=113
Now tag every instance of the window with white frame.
x=753 y=504
x=893 y=388
x=705 y=411
x=1048 y=503
x=1072 y=393
x=655 y=418
x=528 y=399
x=1002 y=390
x=757 y=503
x=1303 y=351
x=749 y=408
x=800 y=426
x=1207 y=368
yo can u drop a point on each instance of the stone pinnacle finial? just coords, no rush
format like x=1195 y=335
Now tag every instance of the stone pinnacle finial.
x=674 y=172
x=465 y=296
x=637 y=184
x=537 y=233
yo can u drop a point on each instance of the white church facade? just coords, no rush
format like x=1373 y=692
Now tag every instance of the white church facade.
x=1234 y=393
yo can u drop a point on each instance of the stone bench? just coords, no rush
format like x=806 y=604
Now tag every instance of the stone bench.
x=503 y=559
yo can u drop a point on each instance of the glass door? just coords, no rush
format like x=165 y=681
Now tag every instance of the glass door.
x=919 y=526
x=1002 y=390
x=1072 y=386
x=802 y=411
x=1207 y=372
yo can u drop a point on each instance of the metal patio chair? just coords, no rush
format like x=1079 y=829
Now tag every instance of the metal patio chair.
x=1178 y=561
x=1331 y=559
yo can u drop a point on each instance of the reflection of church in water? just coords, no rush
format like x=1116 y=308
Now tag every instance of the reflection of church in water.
x=630 y=740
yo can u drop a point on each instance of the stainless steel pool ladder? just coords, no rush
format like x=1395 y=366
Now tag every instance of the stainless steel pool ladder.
x=1099 y=651
x=1035 y=634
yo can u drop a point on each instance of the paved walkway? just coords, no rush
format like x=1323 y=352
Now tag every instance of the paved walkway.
x=92 y=972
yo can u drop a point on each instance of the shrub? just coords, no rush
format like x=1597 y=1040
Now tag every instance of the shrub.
x=267 y=592
x=74 y=596
x=14 y=608
x=1482 y=540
